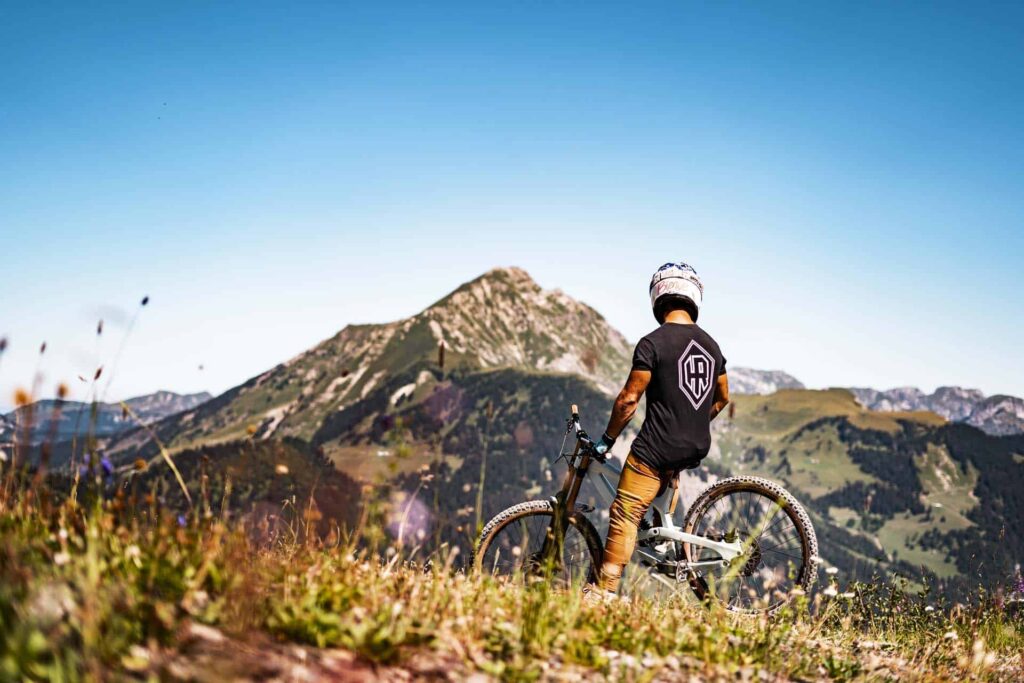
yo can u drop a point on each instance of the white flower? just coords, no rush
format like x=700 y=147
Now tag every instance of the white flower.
x=61 y=559
x=817 y=560
x=132 y=551
x=832 y=570
x=929 y=608
x=951 y=635
x=830 y=592
x=62 y=534
x=847 y=596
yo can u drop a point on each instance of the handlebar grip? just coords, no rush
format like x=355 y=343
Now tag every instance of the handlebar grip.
x=575 y=410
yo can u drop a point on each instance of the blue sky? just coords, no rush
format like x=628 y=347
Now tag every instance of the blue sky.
x=845 y=177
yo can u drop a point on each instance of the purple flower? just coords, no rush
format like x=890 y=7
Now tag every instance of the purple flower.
x=108 y=466
x=181 y=520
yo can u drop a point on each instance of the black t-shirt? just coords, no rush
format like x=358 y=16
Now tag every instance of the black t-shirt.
x=684 y=362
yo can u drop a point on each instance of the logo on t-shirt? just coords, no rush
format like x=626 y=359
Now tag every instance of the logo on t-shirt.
x=696 y=373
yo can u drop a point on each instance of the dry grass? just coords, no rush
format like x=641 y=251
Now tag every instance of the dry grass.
x=105 y=589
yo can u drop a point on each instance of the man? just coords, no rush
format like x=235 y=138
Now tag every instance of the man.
x=682 y=371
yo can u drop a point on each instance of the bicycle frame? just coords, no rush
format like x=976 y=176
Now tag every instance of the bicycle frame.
x=605 y=474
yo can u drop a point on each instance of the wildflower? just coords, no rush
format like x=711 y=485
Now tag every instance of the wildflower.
x=832 y=570
x=817 y=560
x=848 y=595
x=830 y=591
x=181 y=520
x=108 y=467
x=132 y=551
x=929 y=608
x=951 y=635
x=61 y=559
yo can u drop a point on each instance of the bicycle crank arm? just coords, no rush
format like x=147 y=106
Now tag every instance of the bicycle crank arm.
x=728 y=551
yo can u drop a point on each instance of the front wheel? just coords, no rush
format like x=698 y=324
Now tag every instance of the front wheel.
x=515 y=542
x=780 y=549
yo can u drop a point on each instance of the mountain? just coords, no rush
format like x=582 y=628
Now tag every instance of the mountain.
x=998 y=415
x=474 y=391
x=896 y=489
x=751 y=381
x=501 y=319
x=55 y=421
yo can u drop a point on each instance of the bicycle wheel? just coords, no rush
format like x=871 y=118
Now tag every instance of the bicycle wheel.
x=511 y=544
x=779 y=546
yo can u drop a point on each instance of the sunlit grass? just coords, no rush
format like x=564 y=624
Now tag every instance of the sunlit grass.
x=87 y=591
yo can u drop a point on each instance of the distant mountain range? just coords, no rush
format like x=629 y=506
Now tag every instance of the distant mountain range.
x=751 y=381
x=75 y=417
x=999 y=415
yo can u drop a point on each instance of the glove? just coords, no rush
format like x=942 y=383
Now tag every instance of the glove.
x=602 y=445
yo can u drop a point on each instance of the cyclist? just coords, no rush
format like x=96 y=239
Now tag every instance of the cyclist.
x=682 y=371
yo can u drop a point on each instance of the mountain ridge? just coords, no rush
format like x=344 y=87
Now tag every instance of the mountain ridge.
x=998 y=415
x=75 y=418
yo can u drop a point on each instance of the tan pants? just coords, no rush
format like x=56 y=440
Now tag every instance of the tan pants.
x=639 y=485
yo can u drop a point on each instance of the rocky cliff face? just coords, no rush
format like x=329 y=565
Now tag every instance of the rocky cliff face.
x=999 y=415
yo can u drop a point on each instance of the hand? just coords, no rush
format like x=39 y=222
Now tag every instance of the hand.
x=602 y=445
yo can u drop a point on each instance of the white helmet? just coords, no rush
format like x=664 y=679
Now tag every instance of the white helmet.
x=675 y=281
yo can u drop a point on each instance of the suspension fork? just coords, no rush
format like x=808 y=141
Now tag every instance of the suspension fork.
x=565 y=504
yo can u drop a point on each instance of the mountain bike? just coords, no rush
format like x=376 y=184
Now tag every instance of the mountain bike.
x=745 y=541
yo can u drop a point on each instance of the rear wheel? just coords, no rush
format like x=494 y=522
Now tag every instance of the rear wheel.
x=779 y=546
x=514 y=544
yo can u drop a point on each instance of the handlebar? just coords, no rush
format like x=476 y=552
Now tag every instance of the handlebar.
x=585 y=442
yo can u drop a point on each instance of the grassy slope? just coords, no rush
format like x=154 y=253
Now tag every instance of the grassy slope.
x=768 y=432
x=94 y=593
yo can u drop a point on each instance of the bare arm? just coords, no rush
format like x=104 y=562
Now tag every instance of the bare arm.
x=627 y=401
x=721 y=395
